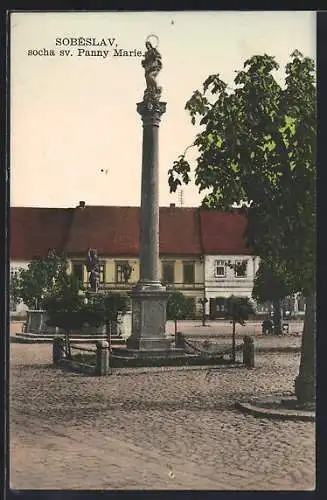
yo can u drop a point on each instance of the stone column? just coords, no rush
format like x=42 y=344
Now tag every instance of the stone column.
x=149 y=297
x=149 y=232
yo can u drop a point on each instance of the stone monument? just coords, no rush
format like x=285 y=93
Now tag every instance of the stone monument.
x=149 y=296
x=93 y=267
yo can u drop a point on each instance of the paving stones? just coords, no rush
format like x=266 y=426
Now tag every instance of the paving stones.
x=122 y=431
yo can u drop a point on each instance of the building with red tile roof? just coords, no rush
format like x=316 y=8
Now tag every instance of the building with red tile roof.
x=191 y=243
x=114 y=230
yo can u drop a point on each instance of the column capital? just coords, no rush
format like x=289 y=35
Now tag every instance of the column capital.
x=151 y=111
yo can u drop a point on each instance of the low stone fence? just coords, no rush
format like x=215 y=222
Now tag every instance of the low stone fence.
x=61 y=356
x=247 y=348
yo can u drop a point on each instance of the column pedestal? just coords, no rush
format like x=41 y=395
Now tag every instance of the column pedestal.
x=149 y=300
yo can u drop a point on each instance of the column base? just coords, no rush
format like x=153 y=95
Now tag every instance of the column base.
x=151 y=345
x=149 y=301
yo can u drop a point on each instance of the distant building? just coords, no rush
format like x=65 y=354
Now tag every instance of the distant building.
x=114 y=232
x=198 y=248
x=229 y=266
x=33 y=231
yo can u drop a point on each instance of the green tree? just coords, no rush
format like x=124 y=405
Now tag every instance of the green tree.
x=103 y=309
x=238 y=310
x=271 y=285
x=65 y=306
x=258 y=144
x=38 y=281
x=14 y=288
x=178 y=307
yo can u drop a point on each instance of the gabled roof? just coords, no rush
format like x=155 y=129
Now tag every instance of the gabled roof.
x=114 y=231
x=33 y=231
x=223 y=232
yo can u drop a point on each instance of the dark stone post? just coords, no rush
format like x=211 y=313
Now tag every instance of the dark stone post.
x=179 y=340
x=149 y=297
x=57 y=350
x=102 y=358
x=248 y=351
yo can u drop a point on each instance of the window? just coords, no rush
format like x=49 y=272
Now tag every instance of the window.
x=102 y=273
x=264 y=307
x=120 y=275
x=13 y=273
x=220 y=307
x=168 y=272
x=78 y=271
x=220 y=269
x=188 y=272
x=287 y=303
x=240 y=268
x=301 y=303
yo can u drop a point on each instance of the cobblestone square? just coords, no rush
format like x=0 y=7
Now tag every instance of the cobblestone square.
x=162 y=428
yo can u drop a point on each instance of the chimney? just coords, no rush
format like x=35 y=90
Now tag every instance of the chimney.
x=81 y=204
x=172 y=205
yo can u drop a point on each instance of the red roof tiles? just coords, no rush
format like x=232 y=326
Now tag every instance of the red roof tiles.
x=111 y=230
x=179 y=231
x=33 y=231
x=114 y=230
x=223 y=232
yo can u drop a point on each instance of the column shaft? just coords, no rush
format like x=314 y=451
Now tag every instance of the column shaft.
x=149 y=230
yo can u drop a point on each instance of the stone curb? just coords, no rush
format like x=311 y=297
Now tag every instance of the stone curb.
x=140 y=370
x=287 y=414
x=47 y=340
x=271 y=349
x=18 y=340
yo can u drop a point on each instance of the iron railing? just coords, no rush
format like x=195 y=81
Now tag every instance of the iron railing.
x=193 y=347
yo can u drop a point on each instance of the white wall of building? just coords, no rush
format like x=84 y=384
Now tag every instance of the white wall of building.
x=15 y=266
x=219 y=284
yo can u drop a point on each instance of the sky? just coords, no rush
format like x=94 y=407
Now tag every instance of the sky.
x=75 y=132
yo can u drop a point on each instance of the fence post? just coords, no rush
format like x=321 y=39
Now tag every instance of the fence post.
x=248 y=351
x=102 y=358
x=57 y=350
x=179 y=340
